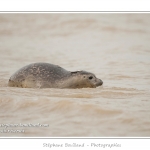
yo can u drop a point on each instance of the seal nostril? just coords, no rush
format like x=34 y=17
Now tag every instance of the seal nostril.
x=99 y=83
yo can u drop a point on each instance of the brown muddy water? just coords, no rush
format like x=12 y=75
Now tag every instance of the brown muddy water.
x=115 y=47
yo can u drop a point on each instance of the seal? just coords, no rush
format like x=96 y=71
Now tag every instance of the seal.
x=45 y=75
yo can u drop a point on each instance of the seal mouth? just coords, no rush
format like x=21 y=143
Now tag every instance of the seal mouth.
x=99 y=83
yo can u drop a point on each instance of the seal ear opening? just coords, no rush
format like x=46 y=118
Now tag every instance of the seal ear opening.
x=74 y=72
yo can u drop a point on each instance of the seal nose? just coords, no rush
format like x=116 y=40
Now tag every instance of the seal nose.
x=100 y=82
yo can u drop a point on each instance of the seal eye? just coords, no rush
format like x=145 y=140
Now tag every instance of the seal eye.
x=90 y=77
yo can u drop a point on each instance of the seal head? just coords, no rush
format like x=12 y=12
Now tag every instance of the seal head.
x=82 y=79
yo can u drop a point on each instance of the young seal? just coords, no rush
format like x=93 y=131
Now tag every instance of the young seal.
x=45 y=75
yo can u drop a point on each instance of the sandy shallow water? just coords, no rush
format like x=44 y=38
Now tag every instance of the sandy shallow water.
x=115 y=47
